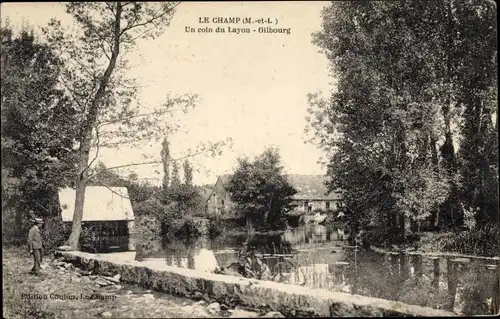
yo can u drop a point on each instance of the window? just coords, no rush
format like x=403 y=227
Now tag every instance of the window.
x=327 y=205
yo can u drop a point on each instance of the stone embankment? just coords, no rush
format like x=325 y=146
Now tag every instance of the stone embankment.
x=65 y=291
x=221 y=291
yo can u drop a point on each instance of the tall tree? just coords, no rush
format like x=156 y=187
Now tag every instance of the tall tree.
x=261 y=191
x=165 y=158
x=176 y=180
x=38 y=126
x=94 y=77
x=382 y=125
x=95 y=53
x=407 y=73
x=476 y=46
x=188 y=173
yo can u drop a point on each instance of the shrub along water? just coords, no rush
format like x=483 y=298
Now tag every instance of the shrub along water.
x=215 y=227
x=188 y=231
x=484 y=241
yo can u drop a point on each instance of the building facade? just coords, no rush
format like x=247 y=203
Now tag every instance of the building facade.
x=311 y=196
x=219 y=203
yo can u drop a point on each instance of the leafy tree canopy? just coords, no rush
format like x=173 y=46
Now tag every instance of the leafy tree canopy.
x=261 y=191
x=38 y=125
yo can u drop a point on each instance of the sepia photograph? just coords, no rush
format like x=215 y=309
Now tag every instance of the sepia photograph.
x=249 y=159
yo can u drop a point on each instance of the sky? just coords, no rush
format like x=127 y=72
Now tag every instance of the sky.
x=252 y=88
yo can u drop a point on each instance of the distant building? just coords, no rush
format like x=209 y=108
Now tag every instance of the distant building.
x=219 y=203
x=107 y=214
x=311 y=195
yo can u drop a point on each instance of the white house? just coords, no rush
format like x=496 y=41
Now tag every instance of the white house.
x=106 y=211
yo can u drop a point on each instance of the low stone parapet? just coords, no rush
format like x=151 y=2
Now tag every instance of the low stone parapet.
x=290 y=300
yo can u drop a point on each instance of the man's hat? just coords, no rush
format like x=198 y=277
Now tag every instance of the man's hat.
x=38 y=220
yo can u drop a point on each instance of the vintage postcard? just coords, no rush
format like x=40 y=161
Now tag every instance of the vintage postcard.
x=249 y=159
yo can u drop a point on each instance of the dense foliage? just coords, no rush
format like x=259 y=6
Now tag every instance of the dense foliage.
x=70 y=97
x=261 y=191
x=164 y=206
x=96 y=80
x=414 y=81
x=36 y=157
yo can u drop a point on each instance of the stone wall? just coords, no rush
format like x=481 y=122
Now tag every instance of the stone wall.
x=290 y=300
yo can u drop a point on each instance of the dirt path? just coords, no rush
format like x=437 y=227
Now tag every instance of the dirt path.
x=65 y=293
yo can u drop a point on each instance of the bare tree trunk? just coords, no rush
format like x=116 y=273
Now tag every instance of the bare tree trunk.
x=435 y=162
x=268 y=210
x=80 y=194
x=81 y=182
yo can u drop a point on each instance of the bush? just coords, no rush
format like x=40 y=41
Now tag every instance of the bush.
x=215 y=227
x=188 y=231
x=379 y=237
x=55 y=233
x=484 y=241
x=383 y=236
x=162 y=215
x=333 y=219
x=150 y=207
x=12 y=233
x=275 y=222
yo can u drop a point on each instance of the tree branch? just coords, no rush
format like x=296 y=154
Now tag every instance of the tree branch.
x=97 y=146
x=84 y=68
x=104 y=49
x=117 y=132
x=110 y=8
x=150 y=163
x=137 y=115
x=138 y=36
x=125 y=142
x=113 y=191
x=132 y=26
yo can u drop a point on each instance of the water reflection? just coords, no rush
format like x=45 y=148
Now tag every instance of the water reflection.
x=309 y=234
x=317 y=256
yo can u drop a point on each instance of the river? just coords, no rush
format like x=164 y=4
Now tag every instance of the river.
x=318 y=256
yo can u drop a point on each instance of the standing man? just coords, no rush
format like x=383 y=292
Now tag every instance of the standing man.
x=35 y=245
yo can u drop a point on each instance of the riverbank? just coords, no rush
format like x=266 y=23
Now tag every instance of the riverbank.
x=481 y=243
x=264 y=296
x=478 y=244
x=64 y=292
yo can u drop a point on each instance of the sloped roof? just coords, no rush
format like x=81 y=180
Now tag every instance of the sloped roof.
x=310 y=187
x=101 y=204
x=225 y=178
x=307 y=186
x=206 y=191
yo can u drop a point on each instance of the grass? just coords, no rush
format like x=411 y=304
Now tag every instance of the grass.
x=131 y=301
x=483 y=242
x=15 y=286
